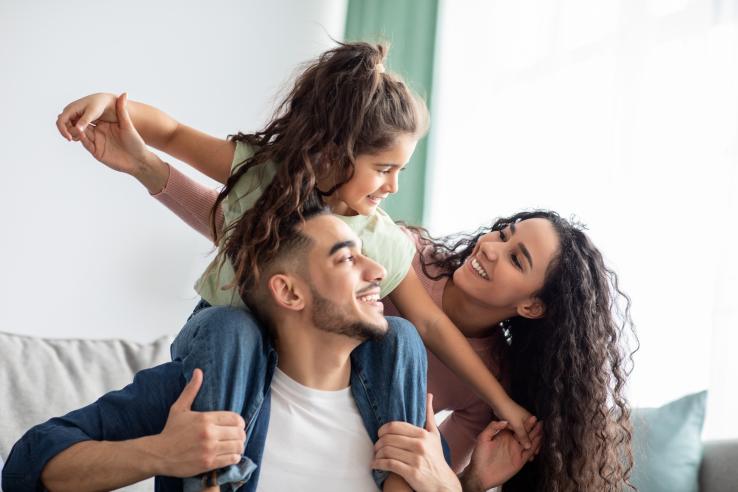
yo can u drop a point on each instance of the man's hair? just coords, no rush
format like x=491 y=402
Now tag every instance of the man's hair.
x=289 y=255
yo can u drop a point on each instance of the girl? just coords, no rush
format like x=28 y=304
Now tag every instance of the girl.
x=346 y=129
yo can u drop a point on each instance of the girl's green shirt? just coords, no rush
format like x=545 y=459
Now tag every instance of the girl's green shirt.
x=382 y=239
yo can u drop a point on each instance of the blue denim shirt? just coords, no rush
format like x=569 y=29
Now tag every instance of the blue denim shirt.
x=387 y=383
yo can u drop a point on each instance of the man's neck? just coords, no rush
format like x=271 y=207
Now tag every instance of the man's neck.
x=315 y=358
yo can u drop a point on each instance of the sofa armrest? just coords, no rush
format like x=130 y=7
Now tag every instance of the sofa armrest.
x=719 y=468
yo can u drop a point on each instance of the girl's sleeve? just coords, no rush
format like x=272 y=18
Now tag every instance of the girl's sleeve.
x=191 y=201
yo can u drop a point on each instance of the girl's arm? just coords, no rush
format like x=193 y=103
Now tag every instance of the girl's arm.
x=192 y=202
x=210 y=155
x=442 y=337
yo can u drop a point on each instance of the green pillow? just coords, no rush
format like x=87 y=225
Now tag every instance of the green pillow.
x=667 y=445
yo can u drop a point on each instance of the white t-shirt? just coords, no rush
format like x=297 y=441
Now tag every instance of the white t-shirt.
x=316 y=441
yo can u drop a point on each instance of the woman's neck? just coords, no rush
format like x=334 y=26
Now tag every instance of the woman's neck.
x=473 y=319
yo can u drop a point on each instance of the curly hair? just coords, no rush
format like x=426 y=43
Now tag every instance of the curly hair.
x=569 y=367
x=342 y=105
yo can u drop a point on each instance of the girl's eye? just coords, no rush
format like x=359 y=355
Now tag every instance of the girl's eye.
x=349 y=259
x=383 y=171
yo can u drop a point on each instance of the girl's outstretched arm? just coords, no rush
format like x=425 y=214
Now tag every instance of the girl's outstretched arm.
x=210 y=155
x=442 y=337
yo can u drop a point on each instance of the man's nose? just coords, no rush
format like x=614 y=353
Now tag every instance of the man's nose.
x=373 y=271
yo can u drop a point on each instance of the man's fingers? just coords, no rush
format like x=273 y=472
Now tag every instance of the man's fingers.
x=121 y=110
x=430 y=415
x=226 y=459
x=229 y=419
x=400 y=428
x=492 y=429
x=220 y=433
x=184 y=402
x=393 y=466
x=410 y=444
x=229 y=447
x=394 y=453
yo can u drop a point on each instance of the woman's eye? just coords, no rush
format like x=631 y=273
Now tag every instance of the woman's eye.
x=516 y=262
x=503 y=237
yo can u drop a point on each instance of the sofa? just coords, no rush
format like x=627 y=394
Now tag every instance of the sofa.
x=41 y=378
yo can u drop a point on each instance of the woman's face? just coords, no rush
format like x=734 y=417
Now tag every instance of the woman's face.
x=507 y=267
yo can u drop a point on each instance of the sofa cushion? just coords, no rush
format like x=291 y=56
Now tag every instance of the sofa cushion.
x=667 y=445
x=44 y=378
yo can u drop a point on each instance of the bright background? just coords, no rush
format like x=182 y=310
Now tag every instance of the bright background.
x=624 y=113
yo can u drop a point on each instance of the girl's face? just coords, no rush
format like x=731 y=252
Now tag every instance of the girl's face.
x=374 y=179
x=507 y=267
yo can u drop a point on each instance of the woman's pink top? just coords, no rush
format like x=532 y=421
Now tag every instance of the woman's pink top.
x=192 y=202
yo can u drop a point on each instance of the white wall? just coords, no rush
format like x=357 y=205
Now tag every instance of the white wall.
x=625 y=113
x=85 y=252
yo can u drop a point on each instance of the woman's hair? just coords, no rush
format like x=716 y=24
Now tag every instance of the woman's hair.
x=342 y=105
x=569 y=367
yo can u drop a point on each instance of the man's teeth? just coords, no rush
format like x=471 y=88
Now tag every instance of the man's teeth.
x=478 y=268
x=370 y=298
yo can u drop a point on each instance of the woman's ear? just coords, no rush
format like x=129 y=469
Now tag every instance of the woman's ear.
x=533 y=308
x=286 y=292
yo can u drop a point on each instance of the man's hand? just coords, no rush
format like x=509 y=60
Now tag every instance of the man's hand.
x=415 y=454
x=195 y=442
x=498 y=455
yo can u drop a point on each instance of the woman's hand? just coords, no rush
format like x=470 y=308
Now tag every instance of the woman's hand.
x=415 y=454
x=498 y=456
x=119 y=146
x=76 y=116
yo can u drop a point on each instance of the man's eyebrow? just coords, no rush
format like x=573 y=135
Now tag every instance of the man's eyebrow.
x=341 y=245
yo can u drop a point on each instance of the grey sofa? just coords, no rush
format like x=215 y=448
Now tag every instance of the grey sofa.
x=41 y=378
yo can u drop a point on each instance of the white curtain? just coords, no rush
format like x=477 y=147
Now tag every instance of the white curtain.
x=624 y=113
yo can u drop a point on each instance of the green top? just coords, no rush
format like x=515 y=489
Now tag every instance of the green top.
x=382 y=239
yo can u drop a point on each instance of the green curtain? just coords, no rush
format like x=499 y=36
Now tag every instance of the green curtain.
x=410 y=28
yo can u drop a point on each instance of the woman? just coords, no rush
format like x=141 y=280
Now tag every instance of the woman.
x=537 y=302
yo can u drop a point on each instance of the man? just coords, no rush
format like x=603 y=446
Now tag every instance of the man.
x=315 y=426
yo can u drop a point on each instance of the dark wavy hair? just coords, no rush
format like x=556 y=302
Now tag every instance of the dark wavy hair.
x=569 y=367
x=342 y=105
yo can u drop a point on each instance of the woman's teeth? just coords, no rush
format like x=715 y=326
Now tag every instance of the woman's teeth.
x=370 y=298
x=478 y=268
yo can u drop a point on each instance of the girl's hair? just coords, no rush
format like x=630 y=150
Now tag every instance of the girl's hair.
x=342 y=105
x=569 y=367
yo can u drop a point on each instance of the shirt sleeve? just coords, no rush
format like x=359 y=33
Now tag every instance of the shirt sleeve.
x=140 y=409
x=191 y=201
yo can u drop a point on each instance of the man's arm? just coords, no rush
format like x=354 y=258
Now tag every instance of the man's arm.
x=102 y=446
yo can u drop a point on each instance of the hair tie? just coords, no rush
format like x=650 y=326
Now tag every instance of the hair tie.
x=379 y=67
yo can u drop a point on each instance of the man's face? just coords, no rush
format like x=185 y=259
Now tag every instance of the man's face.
x=344 y=284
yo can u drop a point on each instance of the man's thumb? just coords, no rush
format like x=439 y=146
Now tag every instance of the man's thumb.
x=184 y=402
x=430 y=415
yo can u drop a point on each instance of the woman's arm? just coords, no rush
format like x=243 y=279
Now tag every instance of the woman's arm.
x=442 y=337
x=210 y=155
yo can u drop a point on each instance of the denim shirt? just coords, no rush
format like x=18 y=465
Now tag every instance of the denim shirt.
x=393 y=376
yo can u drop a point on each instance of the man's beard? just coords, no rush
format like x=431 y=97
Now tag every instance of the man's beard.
x=329 y=316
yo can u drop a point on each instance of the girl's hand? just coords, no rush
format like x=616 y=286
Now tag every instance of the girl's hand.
x=119 y=146
x=517 y=418
x=76 y=116
x=498 y=456
x=415 y=454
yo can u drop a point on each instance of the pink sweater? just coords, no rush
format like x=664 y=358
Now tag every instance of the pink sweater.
x=192 y=202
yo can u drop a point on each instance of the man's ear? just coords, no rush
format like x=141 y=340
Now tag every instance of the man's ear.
x=532 y=308
x=286 y=292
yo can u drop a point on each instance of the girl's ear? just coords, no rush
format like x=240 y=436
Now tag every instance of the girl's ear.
x=532 y=308
x=286 y=292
